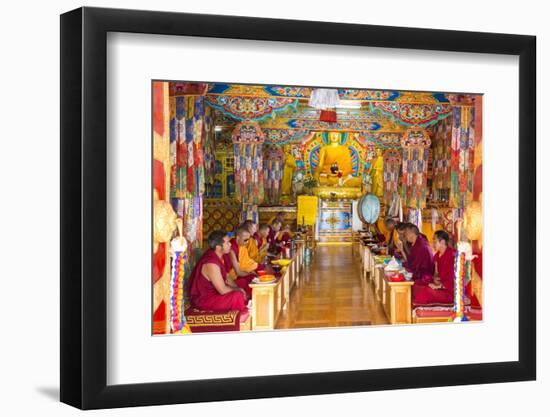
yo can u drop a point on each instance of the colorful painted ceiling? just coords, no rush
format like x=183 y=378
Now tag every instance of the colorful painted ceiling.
x=377 y=117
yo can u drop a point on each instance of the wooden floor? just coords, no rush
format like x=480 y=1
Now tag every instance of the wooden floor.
x=331 y=294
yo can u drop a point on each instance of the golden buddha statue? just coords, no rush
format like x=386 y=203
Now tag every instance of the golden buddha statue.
x=335 y=169
x=377 y=174
x=288 y=171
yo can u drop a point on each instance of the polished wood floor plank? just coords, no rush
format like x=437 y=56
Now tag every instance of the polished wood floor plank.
x=331 y=293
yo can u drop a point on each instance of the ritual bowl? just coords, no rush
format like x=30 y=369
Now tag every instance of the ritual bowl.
x=266 y=278
x=276 y=267
x=261 y=272
x=282 y=262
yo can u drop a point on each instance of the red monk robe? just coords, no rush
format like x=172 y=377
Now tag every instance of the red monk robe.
x=272 y=234
x=204 y=295
x=244 y=281
x=444 y=266
x=420 y=261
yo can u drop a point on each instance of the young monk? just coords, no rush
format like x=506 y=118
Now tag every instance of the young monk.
x=239 y=264
x=402 y=247
x=208 y=286
x=261 y=240
x=441 y=289
x=274 y=234
x=280 y=216
x=391 y=235
x=419 y=261
x=285 y=235
x=252 y=246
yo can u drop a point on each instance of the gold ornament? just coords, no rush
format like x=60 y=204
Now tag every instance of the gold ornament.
x=473 y=221
x=164 y=221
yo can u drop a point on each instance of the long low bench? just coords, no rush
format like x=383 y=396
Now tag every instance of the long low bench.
x=269 y=300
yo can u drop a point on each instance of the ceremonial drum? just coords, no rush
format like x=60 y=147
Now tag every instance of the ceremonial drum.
x=368 y=208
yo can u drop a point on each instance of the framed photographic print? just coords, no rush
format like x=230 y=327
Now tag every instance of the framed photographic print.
x=257 y=208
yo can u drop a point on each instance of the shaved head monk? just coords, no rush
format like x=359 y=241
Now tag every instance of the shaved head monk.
x=402 y=247
x=209 y=287
x=239 y=264
x=273 y=234
x=262 y=239
x=253 y=247
x=279 y=216
x=419 y=261
x=441 y=289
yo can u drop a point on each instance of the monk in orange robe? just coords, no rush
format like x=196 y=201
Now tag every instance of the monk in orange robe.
x=440 y=291
x=252 y=246
x=261 y=241
x=208 y=286
x=240 y=266
x=391 y=235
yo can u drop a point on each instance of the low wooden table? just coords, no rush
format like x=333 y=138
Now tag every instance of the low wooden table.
x=268 y=300
x=394 y=296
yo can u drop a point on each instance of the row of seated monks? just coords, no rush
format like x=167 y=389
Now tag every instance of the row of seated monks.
x=433 y=274
x=220 y=281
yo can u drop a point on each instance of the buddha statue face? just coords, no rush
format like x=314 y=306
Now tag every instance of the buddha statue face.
x=334 y=138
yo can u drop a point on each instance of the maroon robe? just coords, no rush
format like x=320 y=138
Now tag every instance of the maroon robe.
x=420 y=261
x=205 y=296
x=271 y=237
x=424 y=295
x=258 y=239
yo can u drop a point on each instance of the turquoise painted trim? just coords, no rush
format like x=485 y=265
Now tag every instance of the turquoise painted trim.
x=292 y=105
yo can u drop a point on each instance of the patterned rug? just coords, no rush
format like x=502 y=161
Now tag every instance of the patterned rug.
x=207 y=321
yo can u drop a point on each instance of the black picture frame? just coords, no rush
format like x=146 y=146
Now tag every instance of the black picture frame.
x=84 y=207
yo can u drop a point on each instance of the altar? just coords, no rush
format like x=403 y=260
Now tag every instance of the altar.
x=335 y=222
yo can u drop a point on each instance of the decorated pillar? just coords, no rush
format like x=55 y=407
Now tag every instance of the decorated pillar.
x=187 y=186
x=164 y=217
x=416 y=146
x=247 y=140
x=441 y=181
x=273 y=174
x=462 y=150
x=392 y=169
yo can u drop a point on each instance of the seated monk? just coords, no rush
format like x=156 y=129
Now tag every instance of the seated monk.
x=402 y=247
x=285 y=236
x=390 y=235
x=279 y=216
x=241 y=268
x=441 y=289
x=273 y=234
x=252 y=245
x=208 y=286
x=419 y=261
x=261 y=240
x=377 y=234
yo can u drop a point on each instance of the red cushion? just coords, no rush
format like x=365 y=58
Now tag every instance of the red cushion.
x=475 y=314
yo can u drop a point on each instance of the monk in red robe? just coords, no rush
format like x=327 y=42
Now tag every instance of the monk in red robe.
x=209 y=288
x=420 y=260
x=441 y=290
x=239 y=264
x=273 y=234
